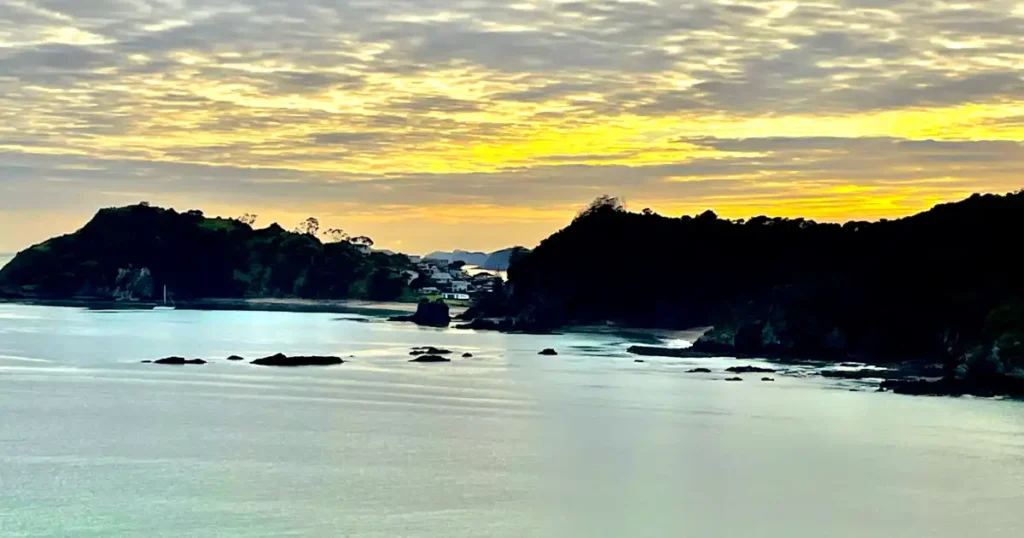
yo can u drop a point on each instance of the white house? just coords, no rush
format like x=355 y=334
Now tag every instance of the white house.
x=442 y=278
x=460 y=286
x=455 y=296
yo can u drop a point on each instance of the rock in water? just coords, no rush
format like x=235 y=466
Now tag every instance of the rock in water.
x=179 y=361
x=286 y=361
x=236 y=358
x=467 y=355
x=430 y=350
x=699 y=371
x=639 y=361
x=735 y=379
x=767 y=379
x=483 y=324
x=548 y=351
x=431 y=358
x=749 y=370
x=428 y=314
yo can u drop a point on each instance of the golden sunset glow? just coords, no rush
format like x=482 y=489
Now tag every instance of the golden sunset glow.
x=431 y=124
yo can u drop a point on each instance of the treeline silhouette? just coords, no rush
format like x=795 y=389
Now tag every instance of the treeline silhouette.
x=944 y=283
x=199 y=257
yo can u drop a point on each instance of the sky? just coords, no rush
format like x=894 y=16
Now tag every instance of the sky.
x=480 y=124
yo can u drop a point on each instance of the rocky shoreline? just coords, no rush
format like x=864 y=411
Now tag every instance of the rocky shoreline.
x=1002 y=386
x=686 y=353
x=914 y=377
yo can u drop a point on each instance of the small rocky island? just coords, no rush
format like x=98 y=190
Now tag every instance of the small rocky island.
x=283 y=360
x=429 y=350
x=430 y=354
x=428 y=314
x=431 y=358
x=749 y=370
x=176 y=361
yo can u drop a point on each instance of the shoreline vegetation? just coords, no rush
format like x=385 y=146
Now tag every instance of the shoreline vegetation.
x=342 y=306
x=934 y=296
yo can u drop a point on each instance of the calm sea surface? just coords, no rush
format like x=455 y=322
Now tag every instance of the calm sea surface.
x=507 y=443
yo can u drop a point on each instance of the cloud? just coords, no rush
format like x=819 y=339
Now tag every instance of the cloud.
x=346 y=138
x=434 y=103
x=44 y=60
x=533 y=105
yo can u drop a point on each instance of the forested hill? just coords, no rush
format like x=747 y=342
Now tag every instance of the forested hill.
x=500 y=260
x=933 y=283
x=134 y=251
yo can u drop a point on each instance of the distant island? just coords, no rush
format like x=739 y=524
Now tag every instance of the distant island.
x=466 y=257
x=494 y=261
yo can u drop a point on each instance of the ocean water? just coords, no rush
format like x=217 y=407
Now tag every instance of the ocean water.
x=506 y=444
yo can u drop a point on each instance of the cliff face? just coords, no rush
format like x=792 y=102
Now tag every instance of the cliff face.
x=194 y=257
x=927 y=285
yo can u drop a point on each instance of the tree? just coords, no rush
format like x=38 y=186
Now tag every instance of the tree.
x=248 y=219
x=362 y=240
x=708 y=215
x=336 y=235
x=385 y=285
x=420 y=282
x=518 y=254
x=602 y=204
x=309 y=226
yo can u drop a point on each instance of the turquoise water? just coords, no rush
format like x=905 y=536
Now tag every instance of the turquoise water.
x=506 y=444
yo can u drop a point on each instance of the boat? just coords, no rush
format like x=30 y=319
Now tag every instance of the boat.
x=166 y=305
